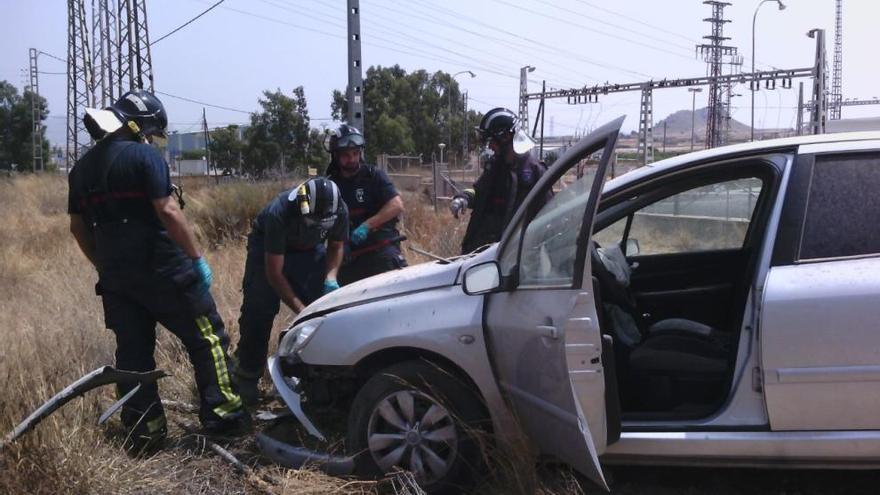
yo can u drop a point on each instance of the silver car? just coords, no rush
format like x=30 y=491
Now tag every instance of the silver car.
x=717 y=308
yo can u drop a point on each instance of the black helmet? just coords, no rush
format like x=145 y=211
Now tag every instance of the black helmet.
x=144 y=110
x=345 y=137
x=497 y=123
x=318 y=200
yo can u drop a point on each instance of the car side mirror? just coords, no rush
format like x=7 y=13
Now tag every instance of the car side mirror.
x=631 y=248
x=482 y=278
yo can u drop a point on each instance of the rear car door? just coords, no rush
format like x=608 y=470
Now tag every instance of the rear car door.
x=820 y=337
x=542 y=327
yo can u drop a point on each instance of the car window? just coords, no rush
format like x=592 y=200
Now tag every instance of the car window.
x=549 y=244
x=612 y=234
x=842 y=207
x=706 y=218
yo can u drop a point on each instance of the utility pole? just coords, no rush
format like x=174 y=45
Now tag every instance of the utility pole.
x=646 y=126
x=664 y=136
x=523 y=98
x=135 y=62
x=735 y=64
x=207 y=142
x=713 y=53
x=837 y=70
x=819 y=104
x=543 y=111
x=464 y=132
x=79 y=79
x=694 y=92
x=36 y=122
x=800 y=110
x=354 y=92
x=105 y=32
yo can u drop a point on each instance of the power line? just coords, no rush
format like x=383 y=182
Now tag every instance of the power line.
x=566 y=21
x=394 y=46
x=41 y=52
x=221 y=107
x=652 y=26
x=457 y=17
x=515 y=67
x=187 y=23
x=617 y=26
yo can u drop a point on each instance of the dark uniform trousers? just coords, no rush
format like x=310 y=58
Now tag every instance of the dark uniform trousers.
x=133 y=304
x=304 y=270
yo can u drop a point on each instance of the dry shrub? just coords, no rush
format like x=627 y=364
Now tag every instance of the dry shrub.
x=438 y=233
x=225 y=211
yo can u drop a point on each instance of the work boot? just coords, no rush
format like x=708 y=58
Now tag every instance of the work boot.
x=247 y=383
x=248 y=390
x=233 y=425
x=146 y=437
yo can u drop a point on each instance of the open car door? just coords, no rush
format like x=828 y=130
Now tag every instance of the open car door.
x=542 y=324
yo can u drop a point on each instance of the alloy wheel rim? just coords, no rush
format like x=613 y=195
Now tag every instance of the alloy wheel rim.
x=411 y=430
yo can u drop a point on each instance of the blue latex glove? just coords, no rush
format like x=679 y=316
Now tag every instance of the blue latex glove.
x=330 y=285
x=359 y=235
x=204 y=271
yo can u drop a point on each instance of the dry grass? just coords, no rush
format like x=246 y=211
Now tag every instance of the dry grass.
x=54 y=334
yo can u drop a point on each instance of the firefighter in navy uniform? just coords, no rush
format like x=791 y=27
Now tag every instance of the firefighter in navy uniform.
x=511 y=173
x=128 y=224
x=374 y=206
x=287 y=261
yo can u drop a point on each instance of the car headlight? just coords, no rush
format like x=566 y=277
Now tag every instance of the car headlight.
x=298 y=337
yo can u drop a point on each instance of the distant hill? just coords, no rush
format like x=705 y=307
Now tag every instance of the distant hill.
x=679 y=123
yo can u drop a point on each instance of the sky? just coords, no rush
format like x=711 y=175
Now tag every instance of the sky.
x=229 y=56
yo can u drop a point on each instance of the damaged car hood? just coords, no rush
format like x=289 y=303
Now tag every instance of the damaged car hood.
x=411 y=279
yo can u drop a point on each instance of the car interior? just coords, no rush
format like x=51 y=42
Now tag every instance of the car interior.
x=672 y=260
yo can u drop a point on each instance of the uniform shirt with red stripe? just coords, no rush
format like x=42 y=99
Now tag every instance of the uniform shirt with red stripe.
x=366 y=193
x=137 y=176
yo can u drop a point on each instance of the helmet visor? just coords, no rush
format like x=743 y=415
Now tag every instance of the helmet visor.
x=522 y=143
x=350 y=141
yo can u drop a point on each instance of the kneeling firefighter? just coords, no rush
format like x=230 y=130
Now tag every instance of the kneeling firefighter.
x=287 y=261
x=150 y=269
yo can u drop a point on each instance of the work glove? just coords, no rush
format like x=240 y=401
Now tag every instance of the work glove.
x=330 y=285
x=359 y=235
x=204 y=271
x=458 y=204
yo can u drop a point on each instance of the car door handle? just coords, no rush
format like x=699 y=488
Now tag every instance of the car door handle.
x=549 y=331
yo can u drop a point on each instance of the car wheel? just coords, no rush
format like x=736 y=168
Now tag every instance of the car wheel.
x=418 y=417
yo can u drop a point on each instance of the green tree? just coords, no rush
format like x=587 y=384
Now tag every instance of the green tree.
x=278 y=137
x=226 y=148
x=16 y=128
x=410 y=112
x=317 y=155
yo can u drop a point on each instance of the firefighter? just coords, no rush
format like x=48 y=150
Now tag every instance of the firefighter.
x=287 y=261
x=373 y=203
x=510 y=174
x=150 y=269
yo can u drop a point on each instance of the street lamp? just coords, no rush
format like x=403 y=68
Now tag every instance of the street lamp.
x=754 y=82
x=694 y=91
x=449 y=98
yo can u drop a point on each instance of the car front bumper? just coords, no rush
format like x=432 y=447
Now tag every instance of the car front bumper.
x=294 y=456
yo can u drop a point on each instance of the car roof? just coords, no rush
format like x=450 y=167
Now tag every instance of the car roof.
x=735 y=149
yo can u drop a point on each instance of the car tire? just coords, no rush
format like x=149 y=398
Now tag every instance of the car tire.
x=419 y=417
